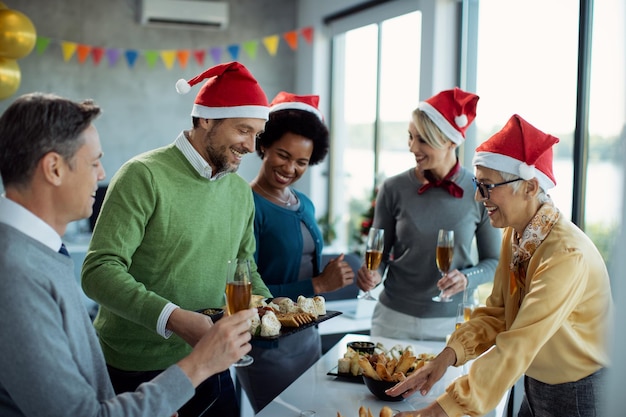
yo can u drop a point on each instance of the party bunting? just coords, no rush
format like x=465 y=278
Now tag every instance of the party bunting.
x=307 y=34
x=168 y=58
x=233 y=50
x=96 y=55
x=251 y=48
x=42 y=44
x=271 y=44
x=199 y=56
x=68 y=49
x=172 y=56
x=151 y=58
x=183 y=58
x=82 y=52
x=113 y=55
x=292 y=39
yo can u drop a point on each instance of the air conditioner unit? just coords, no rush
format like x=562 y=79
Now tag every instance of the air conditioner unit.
x=188 y=13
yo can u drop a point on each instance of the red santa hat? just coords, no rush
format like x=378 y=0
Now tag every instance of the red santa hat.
x=285 y=100
x=230 y=92
x=521 y=149
x=452 y=111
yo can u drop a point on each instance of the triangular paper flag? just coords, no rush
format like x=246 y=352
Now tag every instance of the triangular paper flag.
x=216 y=54
x=233 y=50
x=199 y=56
x=182 y=57
x=292 y=39
x=151 y=58
x=82 y=52
x=131 y=56
x=68 y=50
x=41 y=44
x=113 y=55
x=271 y=44
x=251 y=48
x=168 y=58
x=307 y=34
x=96 y=54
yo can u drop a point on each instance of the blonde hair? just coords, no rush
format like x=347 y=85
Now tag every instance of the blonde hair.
x=428 y=130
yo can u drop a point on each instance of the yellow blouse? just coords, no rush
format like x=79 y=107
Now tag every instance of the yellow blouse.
x=556 y=333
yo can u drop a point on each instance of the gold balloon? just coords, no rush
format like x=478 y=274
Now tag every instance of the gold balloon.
x=17 y=34
x=10 y=77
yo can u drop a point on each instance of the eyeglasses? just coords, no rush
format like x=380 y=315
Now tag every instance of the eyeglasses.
x=485 y=189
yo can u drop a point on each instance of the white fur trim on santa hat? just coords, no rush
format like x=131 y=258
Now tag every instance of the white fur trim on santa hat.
x=247 y=112
x=296 y=105
x=442 y=123
x=513 y=166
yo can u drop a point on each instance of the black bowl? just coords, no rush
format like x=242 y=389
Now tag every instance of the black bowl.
x=362 y=347
x=378 y=388
x=214 y=313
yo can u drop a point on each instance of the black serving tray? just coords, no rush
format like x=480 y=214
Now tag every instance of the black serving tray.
x=345 y=377
x=272 y=341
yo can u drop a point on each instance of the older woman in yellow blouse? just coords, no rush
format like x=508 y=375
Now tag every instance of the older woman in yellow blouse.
x=548 y=315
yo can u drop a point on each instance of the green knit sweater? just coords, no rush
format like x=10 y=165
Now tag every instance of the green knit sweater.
x=163 y=235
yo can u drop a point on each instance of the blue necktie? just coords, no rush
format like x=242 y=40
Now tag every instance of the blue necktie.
x=63 y=250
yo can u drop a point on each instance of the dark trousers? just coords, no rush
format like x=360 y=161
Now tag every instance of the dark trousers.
x=214 y=397
x=571 y=399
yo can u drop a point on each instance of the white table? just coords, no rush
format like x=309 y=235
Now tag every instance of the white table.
x=327 y=395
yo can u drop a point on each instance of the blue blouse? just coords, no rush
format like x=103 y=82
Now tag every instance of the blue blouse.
x=279 y=245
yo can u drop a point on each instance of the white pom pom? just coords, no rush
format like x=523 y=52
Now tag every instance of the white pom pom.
x=527 y=171
x=182 y=86
x=461 y=121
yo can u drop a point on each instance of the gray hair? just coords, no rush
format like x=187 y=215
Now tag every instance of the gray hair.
x=542 y=197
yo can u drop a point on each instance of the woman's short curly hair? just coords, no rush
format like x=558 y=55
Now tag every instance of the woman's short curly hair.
x=299 y=122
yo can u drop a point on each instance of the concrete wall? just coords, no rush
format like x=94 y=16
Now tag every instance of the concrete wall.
x=141 y=107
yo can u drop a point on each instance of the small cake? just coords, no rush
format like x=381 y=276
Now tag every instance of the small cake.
x=307 y=305
x=270 y=326
x=256 y=324
x=320 y=305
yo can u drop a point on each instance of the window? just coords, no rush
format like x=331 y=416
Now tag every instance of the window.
x=534 y=73
x=376 y=78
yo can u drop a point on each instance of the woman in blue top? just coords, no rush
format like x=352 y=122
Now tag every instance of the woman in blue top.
x=289 y=242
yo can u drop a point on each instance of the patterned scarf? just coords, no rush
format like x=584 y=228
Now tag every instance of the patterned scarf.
x=525 y=246
x=447 y=183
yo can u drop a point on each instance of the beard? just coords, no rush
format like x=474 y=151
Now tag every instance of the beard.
x=219 y=155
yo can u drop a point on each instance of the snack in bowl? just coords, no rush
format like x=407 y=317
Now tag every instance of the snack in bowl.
x=214 y=313
x=378 y=388
x=362 y=347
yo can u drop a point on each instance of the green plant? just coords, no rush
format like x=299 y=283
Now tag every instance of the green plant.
x=327 y=227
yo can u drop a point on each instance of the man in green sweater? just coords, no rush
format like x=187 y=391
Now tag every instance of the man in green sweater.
x=170 y=220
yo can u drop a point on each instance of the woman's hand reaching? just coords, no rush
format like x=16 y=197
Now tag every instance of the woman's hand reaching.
x=336 y=275
x=424 y=378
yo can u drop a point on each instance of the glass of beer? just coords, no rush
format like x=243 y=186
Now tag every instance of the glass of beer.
x=463 y=314
x=445 y=251
x=373 y=254
x=238 y=294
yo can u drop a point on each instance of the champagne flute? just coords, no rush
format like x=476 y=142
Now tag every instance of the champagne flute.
x=373 y=255
x=238 y=294
x=445 y=251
